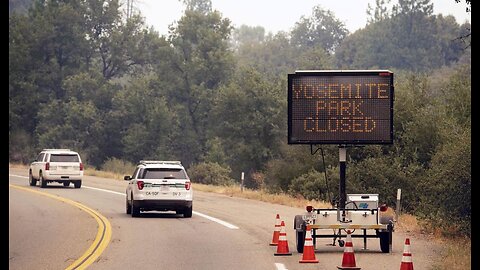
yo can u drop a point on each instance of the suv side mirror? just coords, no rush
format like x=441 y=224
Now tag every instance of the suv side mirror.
x=127 y=177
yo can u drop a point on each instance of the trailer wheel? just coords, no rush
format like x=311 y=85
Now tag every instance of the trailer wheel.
x=300 y=235
x=384 y=241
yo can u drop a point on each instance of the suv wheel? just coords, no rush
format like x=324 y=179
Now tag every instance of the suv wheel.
x=77 y=184
x=43 y=183
x=135 y=210
x=188 y=212
x=66 y=183
x=32 y=181
x=128 y=207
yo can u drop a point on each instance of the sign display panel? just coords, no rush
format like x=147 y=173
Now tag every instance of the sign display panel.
x=340 y=107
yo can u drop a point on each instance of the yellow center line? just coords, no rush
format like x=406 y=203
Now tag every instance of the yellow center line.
x=102 y=238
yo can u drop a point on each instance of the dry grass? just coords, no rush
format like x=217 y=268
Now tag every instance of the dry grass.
x=408 y=223
x=457 y=254
x=18 y=166
x=259 y=195
x=104 y=174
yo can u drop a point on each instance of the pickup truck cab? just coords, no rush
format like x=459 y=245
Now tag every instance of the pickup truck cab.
x=56 y=165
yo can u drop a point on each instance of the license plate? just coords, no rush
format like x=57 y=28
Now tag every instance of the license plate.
x=309 y=217
x=151 y=193
x=164 y=188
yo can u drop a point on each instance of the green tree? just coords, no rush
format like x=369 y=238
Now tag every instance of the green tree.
x=70 y=124
x=457 y=96
x=416 y=119
x=19 y=6
x=380 y=12
x=142 y=121
x=202 y=61
x=90 y=86
x=45 y=46
x=321 y=29
x=274 y=57
x=383 y=175
x=294 y=161
x=445 y=191
x=411 y=38
x=117 y=46
x=202 y=6
x=250 y=110
x=248 y=36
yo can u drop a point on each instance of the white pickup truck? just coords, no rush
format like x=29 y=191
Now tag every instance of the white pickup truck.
x=56 y=165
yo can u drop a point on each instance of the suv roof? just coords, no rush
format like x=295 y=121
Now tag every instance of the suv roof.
x=160 y=164
x=59 y=151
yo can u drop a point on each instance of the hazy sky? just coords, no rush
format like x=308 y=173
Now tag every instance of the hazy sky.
x=281 y=15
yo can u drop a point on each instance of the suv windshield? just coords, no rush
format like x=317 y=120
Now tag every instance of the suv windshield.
x=162 y=173
x=64 y=158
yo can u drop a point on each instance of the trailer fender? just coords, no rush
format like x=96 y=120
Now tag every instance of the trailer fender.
x=298 y=223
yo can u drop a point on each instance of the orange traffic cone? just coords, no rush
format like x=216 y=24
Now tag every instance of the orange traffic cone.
x=407 y=263
x=348 y=261
x=308 y=250
x=282 y=247
x=276 y=231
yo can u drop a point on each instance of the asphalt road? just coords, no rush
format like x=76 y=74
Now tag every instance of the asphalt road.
x=224 y=233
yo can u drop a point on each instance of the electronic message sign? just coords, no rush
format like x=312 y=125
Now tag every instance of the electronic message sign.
x=340 y=107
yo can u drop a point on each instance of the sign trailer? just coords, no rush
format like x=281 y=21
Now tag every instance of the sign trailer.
x=348 y=108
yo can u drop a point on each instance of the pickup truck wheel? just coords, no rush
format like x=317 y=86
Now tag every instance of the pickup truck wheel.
x=66 y=183
x=384 y=241
x=187 y=213
x=300 y=237
x=127 y=206
x=77 y=183
x=32 y=181
x=43 y=183
x=135 y=211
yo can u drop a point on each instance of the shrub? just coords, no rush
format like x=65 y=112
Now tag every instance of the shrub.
x=310 y=185
x=210 y=173
x=446 y=190
x=118 y=166
x=21 y=149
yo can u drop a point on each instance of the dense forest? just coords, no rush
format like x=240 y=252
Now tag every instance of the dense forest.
x=84 y=76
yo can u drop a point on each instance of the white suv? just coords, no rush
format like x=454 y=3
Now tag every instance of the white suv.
x=56 y=165
x=159 y=186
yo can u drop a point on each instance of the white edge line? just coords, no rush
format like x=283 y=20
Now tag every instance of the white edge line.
x=21 y=176
x=226 y=224
x=105 y=190
x=280 y=266
x=221 y=222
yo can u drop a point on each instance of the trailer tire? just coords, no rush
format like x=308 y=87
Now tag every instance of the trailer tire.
x=300 y=236
x=384 y=241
